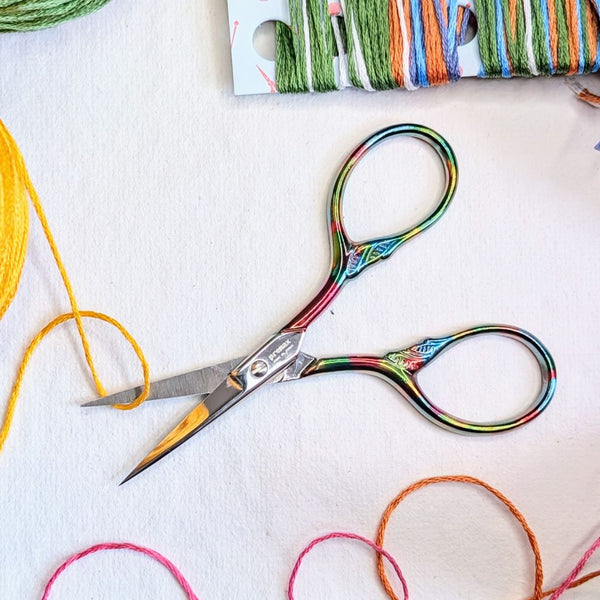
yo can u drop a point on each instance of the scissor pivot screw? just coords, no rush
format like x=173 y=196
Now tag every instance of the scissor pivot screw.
x=259 y=368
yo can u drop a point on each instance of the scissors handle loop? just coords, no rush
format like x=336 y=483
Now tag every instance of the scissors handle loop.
x=349 y=258
x=400 y=369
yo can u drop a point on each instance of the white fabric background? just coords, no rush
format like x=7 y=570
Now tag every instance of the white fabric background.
x=198 y=220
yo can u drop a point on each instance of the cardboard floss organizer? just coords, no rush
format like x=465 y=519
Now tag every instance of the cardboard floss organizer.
x=254 y=74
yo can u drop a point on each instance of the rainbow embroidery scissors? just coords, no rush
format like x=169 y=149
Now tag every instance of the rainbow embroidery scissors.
x=280 y=359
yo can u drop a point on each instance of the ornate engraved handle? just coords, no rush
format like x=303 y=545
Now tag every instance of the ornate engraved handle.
x=401 y=367
x=349 y=258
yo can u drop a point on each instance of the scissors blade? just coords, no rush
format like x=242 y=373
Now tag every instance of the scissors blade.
x=267 y=363
x=200 y=381
x=206 y=412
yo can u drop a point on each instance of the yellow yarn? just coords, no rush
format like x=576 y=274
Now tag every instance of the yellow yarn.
x=14 y=225
x=15 y=187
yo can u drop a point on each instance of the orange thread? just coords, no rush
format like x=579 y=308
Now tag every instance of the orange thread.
x=460 y=12
x=572 y=20
x=512 y=14
x=396 y=43
x=592 y=27
x=437 y=72
x=408 y=21
x=539 y=576
x=588 y=97
x=552 y=26
x=575 y=584
x=462 y=479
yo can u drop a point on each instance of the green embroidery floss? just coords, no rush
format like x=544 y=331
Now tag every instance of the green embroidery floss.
x=322 y=47
x=29 y=15
x=372 y=24
x=414 y=43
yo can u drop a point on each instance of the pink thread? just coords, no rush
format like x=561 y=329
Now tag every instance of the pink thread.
x=349 y=536
x=165 y=562
x=576 y=570
x=334 y=9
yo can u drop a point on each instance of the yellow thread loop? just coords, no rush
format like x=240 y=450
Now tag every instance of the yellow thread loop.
x=15 y=186
x=12 y=402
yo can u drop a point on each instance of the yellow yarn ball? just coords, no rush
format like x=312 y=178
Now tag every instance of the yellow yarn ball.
x=14 y=219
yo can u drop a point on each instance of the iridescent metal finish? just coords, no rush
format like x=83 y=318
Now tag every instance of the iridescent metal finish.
x=400 y=369
x=280 y=359
x=349 y=258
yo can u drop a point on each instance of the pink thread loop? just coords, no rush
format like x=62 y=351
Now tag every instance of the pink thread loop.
x=568 y=582
x=576 y=570
x=349 y=536
x=164 y=561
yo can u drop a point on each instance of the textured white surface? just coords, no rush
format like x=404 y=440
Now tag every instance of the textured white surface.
x=198 y=219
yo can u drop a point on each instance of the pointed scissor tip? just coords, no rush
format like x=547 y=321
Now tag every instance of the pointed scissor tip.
x=141 y=467
x=130 y=476
x=190 y=425
x=103 y=401
x=148 y=461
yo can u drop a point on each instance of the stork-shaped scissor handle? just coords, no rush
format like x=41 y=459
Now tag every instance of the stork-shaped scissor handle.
x=349 y=258
x=400 y=369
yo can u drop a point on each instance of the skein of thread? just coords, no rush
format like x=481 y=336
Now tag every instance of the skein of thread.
x=14 y=224
x=15 y=188
x=415 y=43
x=29 y=15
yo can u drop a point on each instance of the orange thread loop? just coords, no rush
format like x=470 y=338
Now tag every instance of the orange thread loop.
x=539 y=576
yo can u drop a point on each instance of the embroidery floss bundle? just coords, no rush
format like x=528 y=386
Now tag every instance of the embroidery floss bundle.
x=409 y=43
x=324 y=45
x=29 y=15
x=15 y=188
x=376 y=45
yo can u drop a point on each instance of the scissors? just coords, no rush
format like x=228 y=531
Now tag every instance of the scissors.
x=280 y=359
